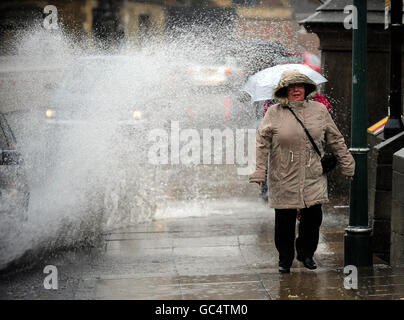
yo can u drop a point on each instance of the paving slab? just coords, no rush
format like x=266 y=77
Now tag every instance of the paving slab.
x=233 y=256
x=252 y=290
x=218 y=256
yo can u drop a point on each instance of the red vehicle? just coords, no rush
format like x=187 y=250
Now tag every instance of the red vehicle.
x=308 y=59
x=304 y=57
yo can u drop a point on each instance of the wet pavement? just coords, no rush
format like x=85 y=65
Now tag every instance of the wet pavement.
x=224 y=249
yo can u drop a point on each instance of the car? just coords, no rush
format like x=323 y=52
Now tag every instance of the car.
x=215 y=71
x=14 y=189
x=304 y=57
x=118 y=93
x=96 y=89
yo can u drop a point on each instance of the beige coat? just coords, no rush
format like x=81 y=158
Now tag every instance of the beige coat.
x=295 y=174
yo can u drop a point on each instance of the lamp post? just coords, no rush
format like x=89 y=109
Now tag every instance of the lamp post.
x=394 y=124
x=357 y=241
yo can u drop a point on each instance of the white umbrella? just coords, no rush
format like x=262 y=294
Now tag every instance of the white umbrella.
x=261 y=85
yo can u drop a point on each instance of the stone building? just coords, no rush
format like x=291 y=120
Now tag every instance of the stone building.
x=76 y=16
x=112 y=21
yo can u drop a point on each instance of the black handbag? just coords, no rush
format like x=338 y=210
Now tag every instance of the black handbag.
x=329 y=160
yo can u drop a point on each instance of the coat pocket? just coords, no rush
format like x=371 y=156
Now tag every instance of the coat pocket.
x=274 y=169
x=287 y=159
x=313 y=167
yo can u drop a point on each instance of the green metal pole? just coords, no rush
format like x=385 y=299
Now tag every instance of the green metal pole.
x=394 y=124
x=357 y=241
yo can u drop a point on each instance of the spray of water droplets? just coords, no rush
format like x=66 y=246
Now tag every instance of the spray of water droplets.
x=86 y=164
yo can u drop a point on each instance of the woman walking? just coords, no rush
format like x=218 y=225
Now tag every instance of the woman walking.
x=295 y=174
x=263 y=190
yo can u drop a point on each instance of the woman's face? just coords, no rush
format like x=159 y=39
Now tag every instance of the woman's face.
x=296 y=92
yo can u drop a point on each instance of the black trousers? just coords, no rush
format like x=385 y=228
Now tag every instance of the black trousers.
x=309 y=232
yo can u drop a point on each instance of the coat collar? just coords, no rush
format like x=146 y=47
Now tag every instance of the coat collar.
x=296 y=105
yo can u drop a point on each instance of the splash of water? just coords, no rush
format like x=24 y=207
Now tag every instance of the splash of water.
x=86 y=167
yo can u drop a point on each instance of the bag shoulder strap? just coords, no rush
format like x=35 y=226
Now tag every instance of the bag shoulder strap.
x=306 y=131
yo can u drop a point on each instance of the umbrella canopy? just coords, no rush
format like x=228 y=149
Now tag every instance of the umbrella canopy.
x=261 y=85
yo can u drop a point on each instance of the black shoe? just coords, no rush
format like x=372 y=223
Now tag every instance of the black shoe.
x=309 y=263
x=284 y=269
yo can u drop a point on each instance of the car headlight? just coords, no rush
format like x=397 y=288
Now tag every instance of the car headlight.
x=137 y=114
x=49 y=113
